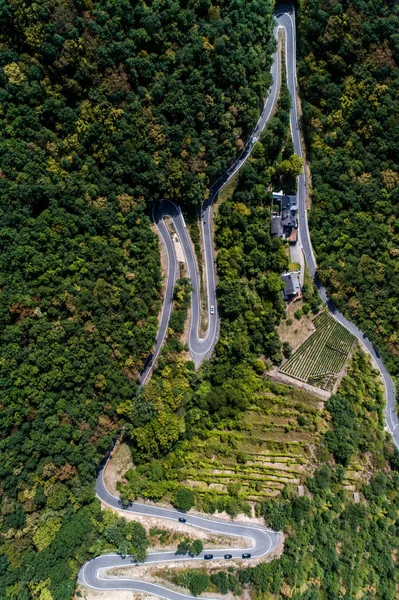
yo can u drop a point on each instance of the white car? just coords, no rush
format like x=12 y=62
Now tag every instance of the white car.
x=212 y=310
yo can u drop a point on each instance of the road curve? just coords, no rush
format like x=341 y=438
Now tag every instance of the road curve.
x=201 y=348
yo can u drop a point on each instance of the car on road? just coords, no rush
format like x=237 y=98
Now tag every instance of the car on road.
x=208 y=556
x=228 y=556
x=212 y=310
x=246 y=555
x=182 y=520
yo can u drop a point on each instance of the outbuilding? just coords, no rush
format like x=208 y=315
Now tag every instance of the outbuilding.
x=292 y=290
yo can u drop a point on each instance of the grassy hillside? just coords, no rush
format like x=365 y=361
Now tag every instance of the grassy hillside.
x=246 y=458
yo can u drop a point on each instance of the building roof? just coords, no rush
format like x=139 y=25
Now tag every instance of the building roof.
x=292 y=285
x=288 y=209
x=286 y=201
x=276 y=226
x=288 y=218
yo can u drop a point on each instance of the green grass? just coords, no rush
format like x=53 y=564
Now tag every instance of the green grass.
x=321 y=357
x=294 y=266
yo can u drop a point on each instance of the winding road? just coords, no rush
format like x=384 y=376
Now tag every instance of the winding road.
x=263 y=542
x=92 y=574
x=286 y=19
x=201 y=348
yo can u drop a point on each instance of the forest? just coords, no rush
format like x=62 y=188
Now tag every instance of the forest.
x=105 y=107
x=348 y=74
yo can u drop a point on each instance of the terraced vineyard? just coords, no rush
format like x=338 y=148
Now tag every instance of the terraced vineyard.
x=271 y=446
x=321 y=357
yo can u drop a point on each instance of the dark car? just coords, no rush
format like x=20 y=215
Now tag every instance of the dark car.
x=208 y=556
x=182 y=520
x=228 y=556
x=246 y=555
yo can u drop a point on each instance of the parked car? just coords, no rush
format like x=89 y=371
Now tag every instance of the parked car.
x=208 y=556
x=212 y=310
x=246 y=555
x=228 y=556
x=182 y=520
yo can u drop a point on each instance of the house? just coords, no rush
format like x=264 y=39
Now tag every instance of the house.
x=292 y=290
x=284 y=223
x=276 y=227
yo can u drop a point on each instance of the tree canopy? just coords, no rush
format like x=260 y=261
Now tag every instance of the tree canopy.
x=349 y=78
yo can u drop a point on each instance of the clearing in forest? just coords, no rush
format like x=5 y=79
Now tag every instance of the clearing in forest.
x=319 y=360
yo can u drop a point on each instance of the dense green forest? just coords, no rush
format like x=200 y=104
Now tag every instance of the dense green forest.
x=105 y=106
x=349 y=78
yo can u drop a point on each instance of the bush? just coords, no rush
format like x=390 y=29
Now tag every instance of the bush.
x=183 y=499
x=241 y=458
x=195 y=582
x=221 y=581
x=259 y=366
x=183 y=547
x=287 y=350
x=196 y=548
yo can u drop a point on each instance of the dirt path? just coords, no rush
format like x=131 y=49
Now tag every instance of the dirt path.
x=120 y=462
x=275 y=375
x=89 y=594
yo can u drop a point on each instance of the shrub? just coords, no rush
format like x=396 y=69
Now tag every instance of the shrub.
x=183 y=499
x=196 y=548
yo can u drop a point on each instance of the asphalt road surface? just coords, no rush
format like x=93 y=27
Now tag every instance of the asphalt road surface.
x=92 y=574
